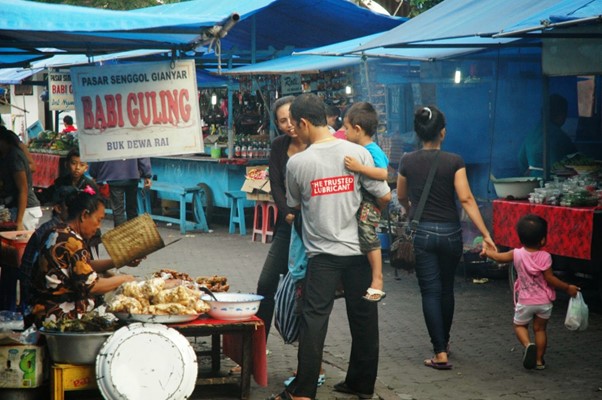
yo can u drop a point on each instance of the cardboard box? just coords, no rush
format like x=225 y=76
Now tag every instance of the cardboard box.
x=257 y=189
x=21 y=366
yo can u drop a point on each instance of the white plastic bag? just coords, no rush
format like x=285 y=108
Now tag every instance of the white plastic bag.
x=577 y=314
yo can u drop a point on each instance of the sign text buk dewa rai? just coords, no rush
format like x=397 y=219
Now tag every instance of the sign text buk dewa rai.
x=137 y=110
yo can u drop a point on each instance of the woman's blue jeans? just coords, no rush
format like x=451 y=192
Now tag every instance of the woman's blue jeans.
x=438 y=248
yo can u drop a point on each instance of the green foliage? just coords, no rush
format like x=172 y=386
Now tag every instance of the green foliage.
x=420 y=6
x=111 y=4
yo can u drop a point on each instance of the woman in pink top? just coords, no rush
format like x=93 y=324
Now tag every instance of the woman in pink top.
x=535 y=286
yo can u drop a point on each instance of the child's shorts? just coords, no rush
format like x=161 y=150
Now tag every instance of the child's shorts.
x=523 y=314
x=368 y=218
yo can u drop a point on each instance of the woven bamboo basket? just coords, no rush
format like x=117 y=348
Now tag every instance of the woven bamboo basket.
x=132 y=240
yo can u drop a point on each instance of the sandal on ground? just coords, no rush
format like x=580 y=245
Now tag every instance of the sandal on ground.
x=542 y=366
x=284 y=395
x=343 y=388
x=374 y=295
x=530 y=356
x=321 y=380
x=433 y=363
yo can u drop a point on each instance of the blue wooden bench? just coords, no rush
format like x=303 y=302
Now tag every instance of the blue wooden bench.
x=185 y=194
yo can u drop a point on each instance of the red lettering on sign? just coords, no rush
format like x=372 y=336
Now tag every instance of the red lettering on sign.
x=88 y=114
x=101 y=121
x=337 y=184
x=141 y=108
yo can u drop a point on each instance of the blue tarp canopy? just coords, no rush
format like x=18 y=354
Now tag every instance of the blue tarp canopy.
x=15 y=76
x=277 y=24
x=454 y=24
x=268 y=25
x=315 y=60
x=12 y=57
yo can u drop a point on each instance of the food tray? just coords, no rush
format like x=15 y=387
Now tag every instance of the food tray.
x=158 y=319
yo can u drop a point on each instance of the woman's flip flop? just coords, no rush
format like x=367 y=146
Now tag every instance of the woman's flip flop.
x=437 y=364
x=374 y=295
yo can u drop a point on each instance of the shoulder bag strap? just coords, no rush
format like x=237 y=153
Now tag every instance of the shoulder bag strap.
x=425 y=193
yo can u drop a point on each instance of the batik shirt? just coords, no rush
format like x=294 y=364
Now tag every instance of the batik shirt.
x=64 y=277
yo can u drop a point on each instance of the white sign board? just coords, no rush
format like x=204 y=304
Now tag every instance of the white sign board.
x=137 y=110
x=291 y=84
x=60 y=91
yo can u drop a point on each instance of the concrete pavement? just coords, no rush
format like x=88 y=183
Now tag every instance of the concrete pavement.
x=484 y=351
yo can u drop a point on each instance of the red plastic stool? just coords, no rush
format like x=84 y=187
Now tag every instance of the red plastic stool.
x=264 y=221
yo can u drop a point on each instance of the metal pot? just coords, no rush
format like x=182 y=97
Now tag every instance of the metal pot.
x=75 y=347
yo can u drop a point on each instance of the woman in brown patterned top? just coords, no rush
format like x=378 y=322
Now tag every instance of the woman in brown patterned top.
x=66 y=279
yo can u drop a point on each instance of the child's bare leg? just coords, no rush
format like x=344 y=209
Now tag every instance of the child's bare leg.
x=541 y=337
x=376 y=264
x=522 y=334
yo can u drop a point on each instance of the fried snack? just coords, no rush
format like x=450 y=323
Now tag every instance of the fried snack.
x=152 y=287
x=201 y=307
x=132 y=289
x=152 y=297
x=214 y=283
x=126 y=304
x=167 y=273
x=180 y=294
x=171 y=309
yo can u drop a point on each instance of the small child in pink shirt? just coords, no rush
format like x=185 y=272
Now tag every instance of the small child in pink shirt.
x=535 y=285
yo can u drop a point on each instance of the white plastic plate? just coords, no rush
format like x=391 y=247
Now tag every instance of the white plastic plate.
x=158 y=319
x=146 y=361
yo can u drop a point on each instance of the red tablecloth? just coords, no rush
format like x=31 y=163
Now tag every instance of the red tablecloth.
x=570 y=229
x=232 y=345
x=48 y=168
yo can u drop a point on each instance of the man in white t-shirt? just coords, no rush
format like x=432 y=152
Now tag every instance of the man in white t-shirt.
x=329 y=197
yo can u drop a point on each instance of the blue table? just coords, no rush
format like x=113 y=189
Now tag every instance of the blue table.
x=219 y=175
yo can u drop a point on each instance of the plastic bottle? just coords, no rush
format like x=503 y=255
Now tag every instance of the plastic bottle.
x=243 y=149
x=251 y=150
x=237 y=149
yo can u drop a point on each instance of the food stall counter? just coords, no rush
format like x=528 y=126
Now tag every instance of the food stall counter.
x=574 y=232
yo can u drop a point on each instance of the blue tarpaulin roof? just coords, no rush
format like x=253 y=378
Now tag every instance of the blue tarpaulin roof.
x=263 y=24
x=474 y=22
x=310 y=61
x=301 y=24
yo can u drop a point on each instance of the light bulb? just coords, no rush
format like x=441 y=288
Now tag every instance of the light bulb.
x=213 y=99
x=458 y=76
x=347 y=90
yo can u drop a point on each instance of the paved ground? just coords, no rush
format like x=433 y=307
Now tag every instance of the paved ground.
x=484 y=351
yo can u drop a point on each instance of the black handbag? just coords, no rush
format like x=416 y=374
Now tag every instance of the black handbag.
x=402 y=249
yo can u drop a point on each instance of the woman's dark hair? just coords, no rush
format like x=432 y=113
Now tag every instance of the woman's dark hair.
x=9 y=137
x=531 y=229
x=428 y=123
x=68 y=120
x=279 y=103
x=82 y=200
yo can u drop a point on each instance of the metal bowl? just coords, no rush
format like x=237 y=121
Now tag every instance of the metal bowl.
x=515 y=188
x=233 y=306
x=75 y=347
